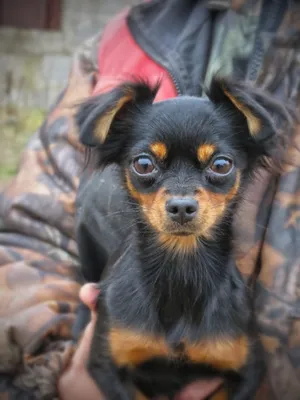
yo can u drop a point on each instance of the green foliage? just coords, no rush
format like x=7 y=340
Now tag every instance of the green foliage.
x=16 y=127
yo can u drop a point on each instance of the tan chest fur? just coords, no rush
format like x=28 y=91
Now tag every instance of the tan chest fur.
x=129 y=348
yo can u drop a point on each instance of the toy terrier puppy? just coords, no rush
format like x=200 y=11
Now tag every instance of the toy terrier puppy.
x=173 y=306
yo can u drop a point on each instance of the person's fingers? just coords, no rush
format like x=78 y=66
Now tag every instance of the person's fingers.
x=88 y=295
x=76 y=383
x=82 y=353
x=199 y=390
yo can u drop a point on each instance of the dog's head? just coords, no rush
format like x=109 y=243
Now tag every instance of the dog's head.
x=184 y=160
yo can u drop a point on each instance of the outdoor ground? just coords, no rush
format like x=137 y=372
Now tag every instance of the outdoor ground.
x=15 y=133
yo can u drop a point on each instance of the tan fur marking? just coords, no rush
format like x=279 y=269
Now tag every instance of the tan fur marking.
x=159 y=149
x=104 y=123
x=145 y=199
x=220 y=395
x=213 y=205
x=153 y=204
x=205 y=151
x=180 y=244
x=254 y=123
x=211 y=208
x=133 y=348
x=221 y=354
x=140 y=396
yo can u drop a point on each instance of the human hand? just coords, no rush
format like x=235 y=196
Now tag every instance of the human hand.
x=76 y=383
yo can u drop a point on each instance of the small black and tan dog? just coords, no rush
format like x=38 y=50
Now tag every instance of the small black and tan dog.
x=173 y=306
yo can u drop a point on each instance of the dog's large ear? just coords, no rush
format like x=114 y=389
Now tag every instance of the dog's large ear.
x=266 y=120
x=103 y=117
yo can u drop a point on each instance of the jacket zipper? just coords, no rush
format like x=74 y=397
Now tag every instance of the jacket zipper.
x=175 y=82
x=272 y=10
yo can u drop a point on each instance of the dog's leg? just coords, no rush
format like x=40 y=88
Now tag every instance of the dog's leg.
x=101 y=366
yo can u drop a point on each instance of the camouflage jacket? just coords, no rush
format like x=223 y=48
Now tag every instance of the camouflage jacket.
x=38 y=253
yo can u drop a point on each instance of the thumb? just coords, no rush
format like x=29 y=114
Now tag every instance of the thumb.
x=88 y=295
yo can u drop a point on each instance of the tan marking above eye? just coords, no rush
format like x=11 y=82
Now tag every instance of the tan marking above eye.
x=159 y=149
x=205 y=152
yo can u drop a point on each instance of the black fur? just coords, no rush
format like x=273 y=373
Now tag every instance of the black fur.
x=176 y=295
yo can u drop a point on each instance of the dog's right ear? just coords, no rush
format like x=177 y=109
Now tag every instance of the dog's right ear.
x=107 y=117
x=262 y=123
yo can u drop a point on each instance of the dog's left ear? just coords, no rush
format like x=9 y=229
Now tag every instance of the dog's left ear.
x=105 y=121
x=265 y=117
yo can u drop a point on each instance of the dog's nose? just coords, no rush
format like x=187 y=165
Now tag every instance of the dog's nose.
x=182 y=210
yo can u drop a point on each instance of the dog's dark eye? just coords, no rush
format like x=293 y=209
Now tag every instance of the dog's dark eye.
x=221 y=165
x=143 y=165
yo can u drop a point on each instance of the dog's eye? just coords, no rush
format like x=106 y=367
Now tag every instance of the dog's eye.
x=143 y=165
x=221 y=165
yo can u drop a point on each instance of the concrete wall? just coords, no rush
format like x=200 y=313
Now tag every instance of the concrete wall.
x=34 y=64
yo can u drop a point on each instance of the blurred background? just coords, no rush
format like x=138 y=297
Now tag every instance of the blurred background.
x=37 y=39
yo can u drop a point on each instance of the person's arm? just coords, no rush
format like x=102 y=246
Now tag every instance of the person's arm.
x=39 y=280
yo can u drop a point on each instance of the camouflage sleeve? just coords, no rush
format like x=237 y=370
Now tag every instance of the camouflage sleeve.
x=268 y=231
x=38 y=254
x=39 y=277
x=268 y=243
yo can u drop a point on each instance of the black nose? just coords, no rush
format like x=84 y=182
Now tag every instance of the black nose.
x=182 y=210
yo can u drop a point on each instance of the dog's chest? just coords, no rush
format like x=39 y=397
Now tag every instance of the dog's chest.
x=132 y=348
x=136 y=334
